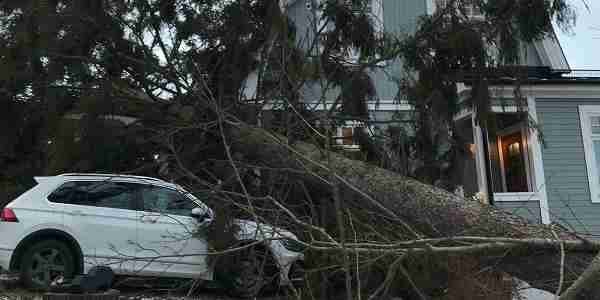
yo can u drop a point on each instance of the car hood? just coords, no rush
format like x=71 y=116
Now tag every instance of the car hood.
x=252 y=230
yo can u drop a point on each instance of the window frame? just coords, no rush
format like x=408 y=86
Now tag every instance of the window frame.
x=588 y=138
x=142 y=208
x=525 y=153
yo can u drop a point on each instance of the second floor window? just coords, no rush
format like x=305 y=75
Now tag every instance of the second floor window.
x=589 y=117
x=371 y=8
x=471 y=9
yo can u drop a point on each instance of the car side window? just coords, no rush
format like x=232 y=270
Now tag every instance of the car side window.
x=165 y=200
x=62 y=193
x=96 y=193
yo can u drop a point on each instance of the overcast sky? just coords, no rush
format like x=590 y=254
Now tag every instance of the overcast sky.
x=582 y=47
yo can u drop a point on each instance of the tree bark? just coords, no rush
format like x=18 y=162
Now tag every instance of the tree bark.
x=588 y=284
x=429 y=211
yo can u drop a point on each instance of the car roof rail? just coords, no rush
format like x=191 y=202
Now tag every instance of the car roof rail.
x=111 y=175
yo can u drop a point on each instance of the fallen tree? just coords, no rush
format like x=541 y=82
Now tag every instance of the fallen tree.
x=433 y=221
x=366 y=215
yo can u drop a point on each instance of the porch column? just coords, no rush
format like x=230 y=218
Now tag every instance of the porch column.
x=480 y=159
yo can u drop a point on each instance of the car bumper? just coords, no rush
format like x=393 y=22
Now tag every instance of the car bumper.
x=296 y=274
x=288 y=267
x=5 y=255
x=7 y=278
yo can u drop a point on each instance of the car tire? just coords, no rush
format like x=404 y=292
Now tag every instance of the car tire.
x=45 y=261
x=248 y=272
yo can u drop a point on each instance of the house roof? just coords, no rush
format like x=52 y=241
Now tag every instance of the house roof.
x=534 y=75
x=551 y=53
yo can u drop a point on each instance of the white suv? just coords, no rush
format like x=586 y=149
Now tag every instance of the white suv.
x=136 y=225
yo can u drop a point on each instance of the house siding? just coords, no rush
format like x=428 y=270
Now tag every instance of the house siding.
x=399 y=18
x=529 y=210
x=302 y=16
x=564 y=164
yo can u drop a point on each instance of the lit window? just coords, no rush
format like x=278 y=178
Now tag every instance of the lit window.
x=589 y=116
x=514 y=168
x=345 y=135
x=510 y=159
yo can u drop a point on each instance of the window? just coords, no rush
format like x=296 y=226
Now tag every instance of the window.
x=358 y=6
x=510 y=158
x=168 y=201
x=374 y=10
x=513 y=160
x=108 y=194
x=471 y=9
x=345 y=135
x=589 y=116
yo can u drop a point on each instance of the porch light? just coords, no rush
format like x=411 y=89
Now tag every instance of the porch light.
x=472 y=148
x=514 y=149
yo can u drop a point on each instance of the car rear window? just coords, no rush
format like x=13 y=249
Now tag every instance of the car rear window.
x=96 y=193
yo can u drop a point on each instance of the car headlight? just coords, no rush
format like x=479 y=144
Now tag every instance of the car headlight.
x=292 y=245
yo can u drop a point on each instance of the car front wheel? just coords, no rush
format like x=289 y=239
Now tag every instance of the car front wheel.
x=46 y=261
x=251 y=271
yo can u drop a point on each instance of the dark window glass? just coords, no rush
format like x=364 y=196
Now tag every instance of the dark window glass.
x=63 y=193
x=96 y=193
x=166 y=201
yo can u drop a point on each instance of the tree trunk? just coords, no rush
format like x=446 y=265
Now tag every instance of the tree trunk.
x=587 y=287
x=431 y=212
x=107 y=295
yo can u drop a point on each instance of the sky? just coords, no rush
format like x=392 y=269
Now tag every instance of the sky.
x=582 y=46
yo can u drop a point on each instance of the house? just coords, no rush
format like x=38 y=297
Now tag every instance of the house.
x=543 y=160
x=548 y=172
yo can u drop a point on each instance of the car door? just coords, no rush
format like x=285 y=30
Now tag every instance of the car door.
x=170 y=244
x=103 y=218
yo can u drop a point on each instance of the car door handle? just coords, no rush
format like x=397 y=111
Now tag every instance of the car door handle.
x=77 y=213
x=148 y=220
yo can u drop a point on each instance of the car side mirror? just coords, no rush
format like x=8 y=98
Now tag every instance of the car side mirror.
x=202 y=215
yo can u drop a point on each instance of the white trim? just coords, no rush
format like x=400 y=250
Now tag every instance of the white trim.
x=430 y=7
x=463 y=114
x=586 y=111
x=507 y=109
x=371 y=106
x=551 y=53
x=562 y=90
x=502 y=166
x=480 y=160
x=525 y=136
x=377 y=11
x=467 y=111
x=517 y=197
x=250 y=86
x=535 y=147
x=390 y=106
